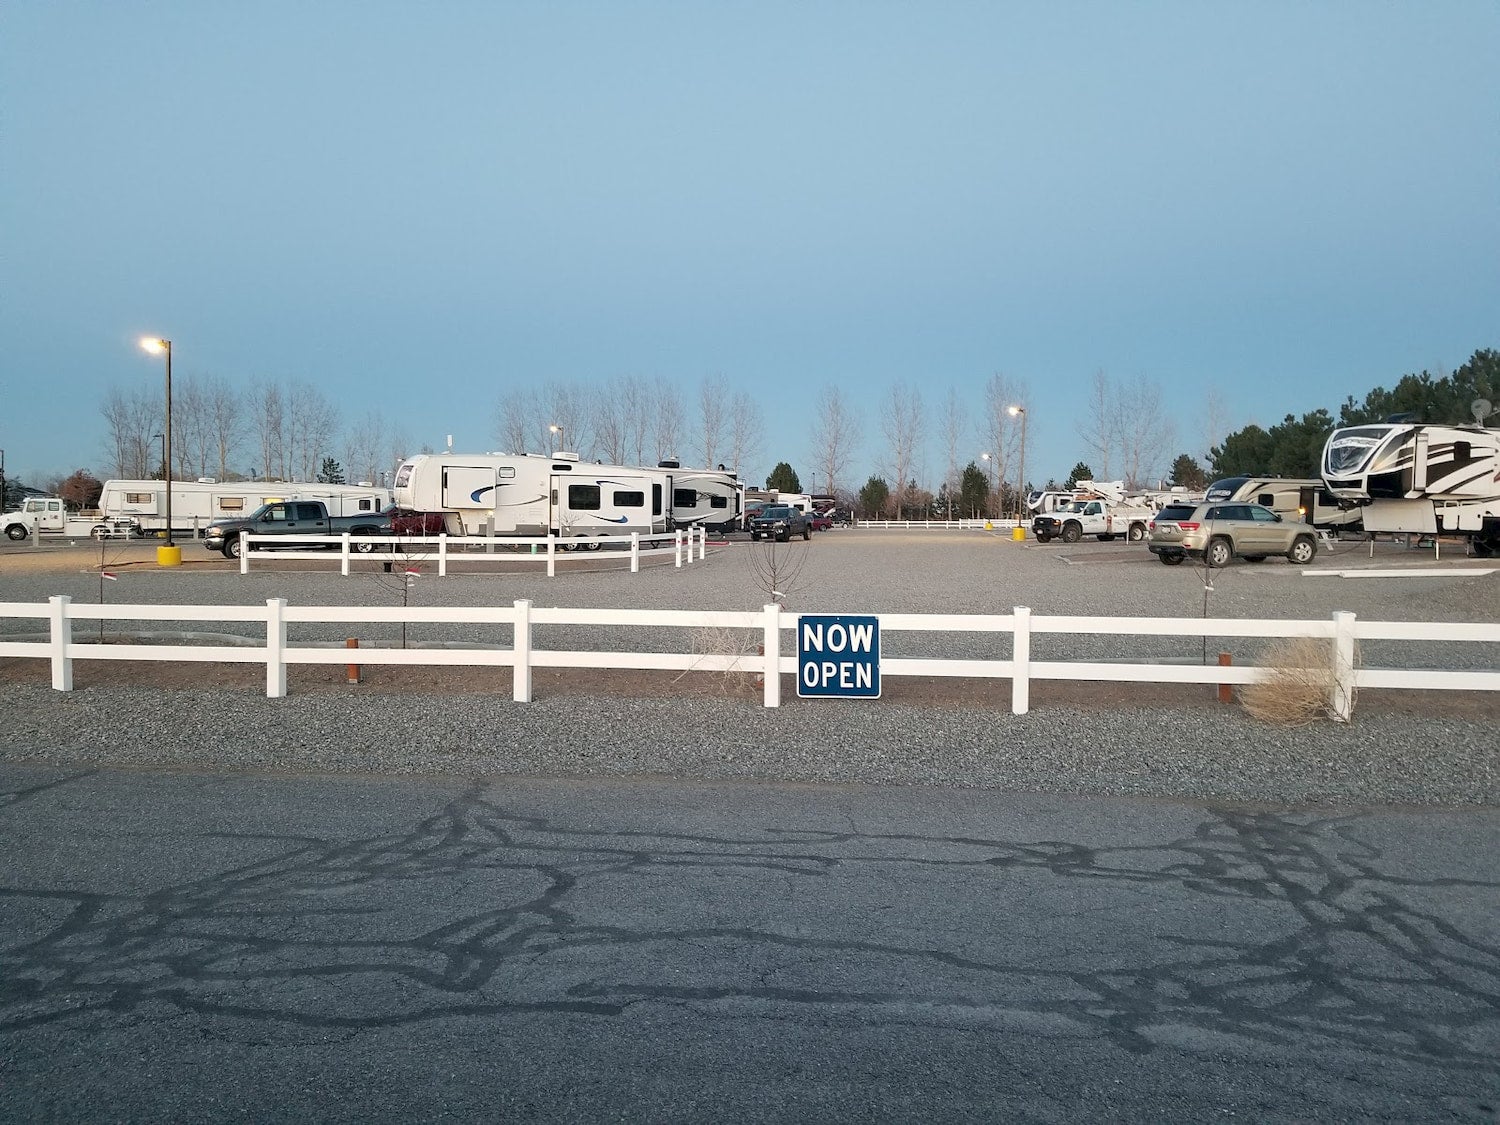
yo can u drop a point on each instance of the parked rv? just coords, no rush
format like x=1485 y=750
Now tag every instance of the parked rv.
x=702 y=497
x=1298 y=500
x=197 y=503
x=526 y=494
x=1418 y=478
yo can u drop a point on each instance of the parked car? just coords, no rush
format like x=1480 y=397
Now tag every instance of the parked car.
x=405 y=521
x=820 y=521
x=1217 y=533
x=779 y=521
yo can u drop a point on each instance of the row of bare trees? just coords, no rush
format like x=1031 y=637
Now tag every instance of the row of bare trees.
x=270 y=431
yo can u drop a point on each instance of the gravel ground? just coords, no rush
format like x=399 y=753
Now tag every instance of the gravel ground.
x=1403 y=748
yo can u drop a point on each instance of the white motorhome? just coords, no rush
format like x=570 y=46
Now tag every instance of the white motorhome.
x=529 y=494
x=1299 y=500
x=710 y=497
x=197 y=503
x=1414 y=477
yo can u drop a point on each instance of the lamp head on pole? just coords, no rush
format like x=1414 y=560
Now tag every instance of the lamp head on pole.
x=1015 y=411
x=155 y=345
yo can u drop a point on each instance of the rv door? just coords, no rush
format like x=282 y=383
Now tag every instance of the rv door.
x=468 y=486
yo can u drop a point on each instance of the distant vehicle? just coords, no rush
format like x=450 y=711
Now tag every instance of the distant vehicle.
x=820 y=521
x=1296 y=499
x=293 y=517
x=404 y=521
x=1077 y=518
x=779 y=521
x=47 y=515
x=1217 y=533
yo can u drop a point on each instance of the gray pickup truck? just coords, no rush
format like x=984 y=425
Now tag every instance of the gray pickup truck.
x=293 y=517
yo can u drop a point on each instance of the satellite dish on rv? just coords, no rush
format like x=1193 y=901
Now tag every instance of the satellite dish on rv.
x=1482 y=408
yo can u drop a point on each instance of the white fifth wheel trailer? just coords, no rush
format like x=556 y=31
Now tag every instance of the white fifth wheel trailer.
x=529 y=494
x=1414 y=477
x=1300 y=500
x=706 y=497
x=197 y=503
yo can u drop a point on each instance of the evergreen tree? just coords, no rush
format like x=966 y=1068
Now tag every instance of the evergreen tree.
x=1187 y=473
x=783 y=478
x=331 y=472
x=973 y=492
x=1080 y=472
x=873 y=496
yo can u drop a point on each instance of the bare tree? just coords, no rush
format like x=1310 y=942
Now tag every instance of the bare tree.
x=903 y=429
x=635 y=416
x=516 y=420
x=1146 y=433
x=667 y=428
x=609 y=425
x=310 y=432
x=955 y=417
x=365 y=444
x=746 y=430
x=833 y=437
x=1003 y=428
x=567 y=406
x=1215 y=422
x=132 y=420
x=713 y=394
x=225 y=424
x=267 y=408
x=1100 y=429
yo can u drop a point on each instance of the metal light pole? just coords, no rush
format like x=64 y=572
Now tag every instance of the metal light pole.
x=558 y=430
x=158 y=346
x=1020 y=411
x=990 y=461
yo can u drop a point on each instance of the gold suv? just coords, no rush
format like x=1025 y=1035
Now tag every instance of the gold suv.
x=1217 y=533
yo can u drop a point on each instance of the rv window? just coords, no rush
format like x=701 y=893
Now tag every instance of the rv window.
x=684 y=498
x=1266 y=499
x=718 y=501
x=584 y=497
x=231 y=503
x=138 y=498
x=507 y=472
x=630 y=499
x=366 y=505
x=1461 y=451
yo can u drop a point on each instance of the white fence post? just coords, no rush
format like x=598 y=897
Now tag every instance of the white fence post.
x=702 y=543
x=442 y=554
x=521 y=646
x=1341 y=705
x=771 y=642
x=551 y=556
x=635 y=552
x=275 y=648
x=244 y=552
x=1020 y=651
x=62 y=640
x=677 y=548
x=344 y=547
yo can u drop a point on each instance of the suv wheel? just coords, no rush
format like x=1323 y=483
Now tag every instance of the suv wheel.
x=1303 y=550
x=1219 y=553
x=1170 y=559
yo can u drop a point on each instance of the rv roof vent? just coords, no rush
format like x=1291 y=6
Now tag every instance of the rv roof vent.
x=366 y=484
x=1482 y=408
x=207 y=480
x=669 y=464
x=562 y=455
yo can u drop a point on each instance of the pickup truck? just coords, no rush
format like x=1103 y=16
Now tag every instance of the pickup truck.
x=1077 y=518
x=293 y=517
x=41 y=515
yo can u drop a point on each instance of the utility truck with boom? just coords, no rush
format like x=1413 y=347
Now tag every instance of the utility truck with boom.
x=49 y=515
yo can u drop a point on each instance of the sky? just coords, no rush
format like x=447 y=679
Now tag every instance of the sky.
x=418 y=207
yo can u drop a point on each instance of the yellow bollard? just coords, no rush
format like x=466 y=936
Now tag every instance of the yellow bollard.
x=1018 y=533
x=169 y=556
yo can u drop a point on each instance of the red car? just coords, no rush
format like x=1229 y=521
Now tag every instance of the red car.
x=404 y=521
x=819 y=521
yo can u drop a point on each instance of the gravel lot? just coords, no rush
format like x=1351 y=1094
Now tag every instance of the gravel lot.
x=1402 y=748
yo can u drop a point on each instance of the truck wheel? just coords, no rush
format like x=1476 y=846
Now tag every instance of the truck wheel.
x=1303 y=550
x=1170 y=560
x=16 y=531
x=806 y=533
x=1136 y=533
x=232 y=548
x=364 y=548
x=1071 y=532
x=1044 y=537
x=1219 y=552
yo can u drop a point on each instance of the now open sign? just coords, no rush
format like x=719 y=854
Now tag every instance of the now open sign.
x=838 y=655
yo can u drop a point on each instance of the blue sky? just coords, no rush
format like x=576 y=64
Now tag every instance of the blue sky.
x=420 y=205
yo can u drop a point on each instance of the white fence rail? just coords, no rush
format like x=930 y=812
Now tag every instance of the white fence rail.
x=62 y=648
x=687 y=543
x=950 y=525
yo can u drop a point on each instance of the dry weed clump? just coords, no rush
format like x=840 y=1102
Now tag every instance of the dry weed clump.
x=722 y=642
x=1299 y=683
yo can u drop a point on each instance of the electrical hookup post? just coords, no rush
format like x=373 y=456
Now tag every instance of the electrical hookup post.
x=838 y=656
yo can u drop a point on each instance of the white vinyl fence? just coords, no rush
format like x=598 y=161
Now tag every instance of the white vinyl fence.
x=689 y=542
x=62 y=648
x=950 y=525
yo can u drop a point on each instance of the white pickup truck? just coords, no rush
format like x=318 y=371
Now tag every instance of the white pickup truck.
x=48 y=515
x=1072 y=521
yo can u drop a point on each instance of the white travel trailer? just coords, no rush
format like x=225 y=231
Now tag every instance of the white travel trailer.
x=1293 y=499
x=707 y=497
x=1420 y=478
x=529 y=494
x=197 y=503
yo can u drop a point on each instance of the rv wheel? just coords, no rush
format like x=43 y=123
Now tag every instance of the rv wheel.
x=594 y=545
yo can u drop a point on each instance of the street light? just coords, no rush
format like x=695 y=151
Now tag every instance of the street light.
x=558 y=430
x=990 y=461
x=158 y=346
x=1020 y=411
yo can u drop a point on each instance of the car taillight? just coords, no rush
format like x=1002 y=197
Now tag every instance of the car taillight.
x=1188 y=526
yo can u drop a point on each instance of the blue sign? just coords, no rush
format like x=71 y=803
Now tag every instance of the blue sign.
x=838 y=655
